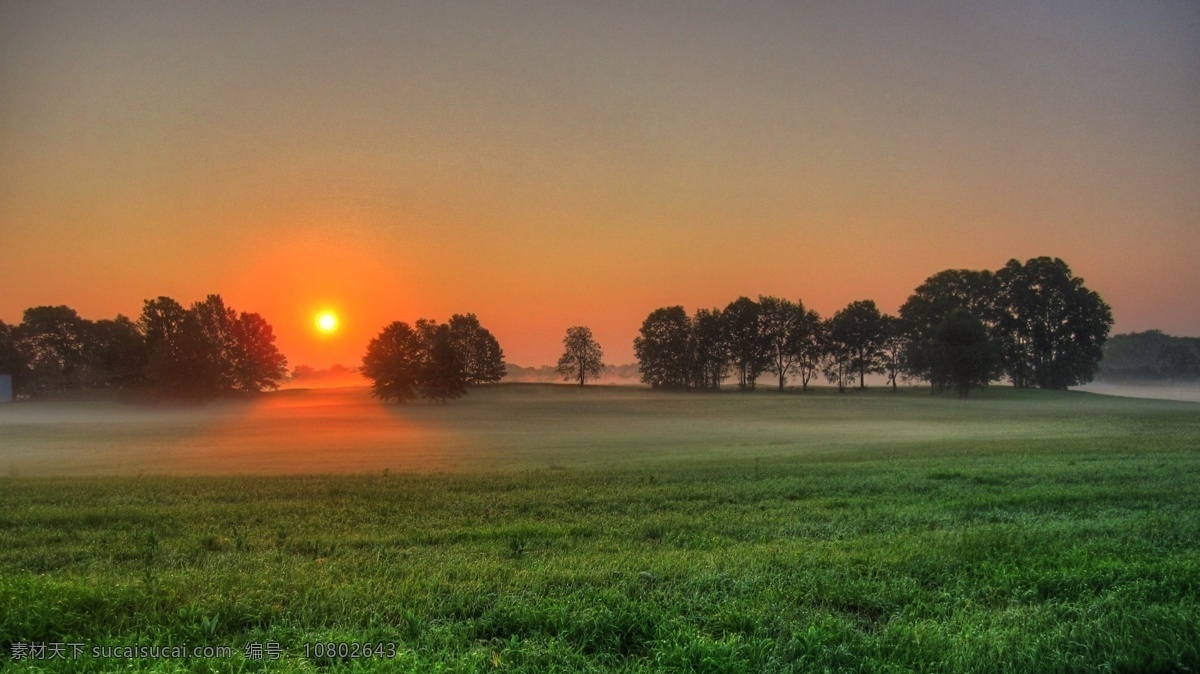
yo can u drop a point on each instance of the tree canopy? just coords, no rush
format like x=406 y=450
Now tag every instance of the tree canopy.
x=430 y=360
x=582 y=357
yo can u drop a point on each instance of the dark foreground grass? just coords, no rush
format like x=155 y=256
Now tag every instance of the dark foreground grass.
x=1049 y=554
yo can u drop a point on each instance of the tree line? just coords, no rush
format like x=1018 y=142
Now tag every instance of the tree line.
x=432 y=361
x=1150 y=357
x=199 y=352
x=1034 y=323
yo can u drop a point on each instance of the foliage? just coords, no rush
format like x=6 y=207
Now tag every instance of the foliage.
x=936 y=298
x=1179 y=362
x=209 y=350
x=443 y=376
x=749 y=348
x=256 y=363
x=837 y=360
x=1052 y=328
x=582 y=357
x=12 y=360
x=394 y=362
x=789 y=331
x=710 y=349
x=1148 y=356
x=430 y=360
x=664 y=349
x=480 y=353
x=856 y=336
x=53 y=342
x=895 y=340
x=963 y=354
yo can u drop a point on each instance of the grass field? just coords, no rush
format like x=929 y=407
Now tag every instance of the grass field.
x=542 y=528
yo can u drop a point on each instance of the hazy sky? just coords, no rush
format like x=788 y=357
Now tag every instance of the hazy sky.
x=545 y=165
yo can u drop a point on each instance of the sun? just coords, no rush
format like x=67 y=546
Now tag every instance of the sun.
x=327 y=322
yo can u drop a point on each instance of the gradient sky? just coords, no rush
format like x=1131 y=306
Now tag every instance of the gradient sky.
x=545 y=165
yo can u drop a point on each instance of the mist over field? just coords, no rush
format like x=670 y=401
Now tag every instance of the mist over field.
x=516 y=427
x=1185 y=392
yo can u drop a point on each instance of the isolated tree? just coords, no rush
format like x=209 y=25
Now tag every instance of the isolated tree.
x=256 y=362
x=582 y=357
x=748 y=348
x=664 y=348
x=480 y=353
x=964 y=355
x=442 y=376
x=394 y=362
x=859 y=328
x=1052 y=327
x=710 y=349
x=935 y=299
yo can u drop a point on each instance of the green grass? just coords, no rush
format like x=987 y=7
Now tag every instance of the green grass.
x=551 y=529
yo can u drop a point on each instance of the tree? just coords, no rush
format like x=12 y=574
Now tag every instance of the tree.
x=480 y=353
x=935 y=299
x=964 y=356
x=256 y=363
x=790 y=332
x=161 y=320
x=180 y=362
x=582 y=357
x=53 y=343
x=859 y=329
x=779 y=321
x=12 y=361
x=1053 y=329
x=748 y=347
x=664 y=348
x=811 y=347
x=710 y=349
x=1179 y=362
x=393 y=363
x=442 y=376
x=836 y=361
x=117 y=354
x=895 y=339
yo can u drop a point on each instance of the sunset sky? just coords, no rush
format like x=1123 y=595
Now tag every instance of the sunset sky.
x=545 y=165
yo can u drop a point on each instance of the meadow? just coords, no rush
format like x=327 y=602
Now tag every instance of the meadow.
x=551 y=528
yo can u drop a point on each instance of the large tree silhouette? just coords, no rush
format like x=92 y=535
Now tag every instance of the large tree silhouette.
x=748 y=347
x=936 y=298
x=1052 y=327
x=481 y=356
x=859 y=329
x=664 y=348
x=709 y=349
x=964 y=356
x=442 y=376
x=393 y=363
